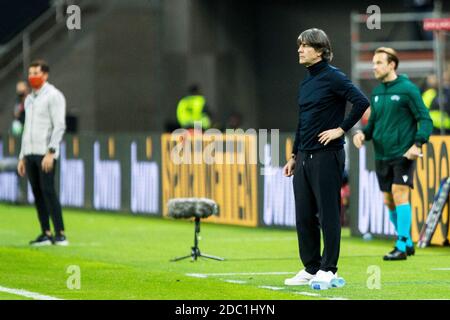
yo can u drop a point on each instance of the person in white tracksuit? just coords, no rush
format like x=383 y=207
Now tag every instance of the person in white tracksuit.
x=45 y=112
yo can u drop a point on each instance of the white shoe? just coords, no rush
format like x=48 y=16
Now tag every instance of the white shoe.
x=61 y=241
x=300 y=279
x=326 y=280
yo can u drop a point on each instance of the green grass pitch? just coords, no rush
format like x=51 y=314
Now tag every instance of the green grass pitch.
x=121 y=256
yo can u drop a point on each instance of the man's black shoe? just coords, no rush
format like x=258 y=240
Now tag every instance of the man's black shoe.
x=42 y=240
x=410 y=251
x=395 y=249
x=395 y=255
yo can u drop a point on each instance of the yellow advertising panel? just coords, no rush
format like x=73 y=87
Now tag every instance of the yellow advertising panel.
x=431 y=169
x=215 y=167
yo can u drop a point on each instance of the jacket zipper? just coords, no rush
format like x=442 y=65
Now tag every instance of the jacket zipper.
x=31 y=127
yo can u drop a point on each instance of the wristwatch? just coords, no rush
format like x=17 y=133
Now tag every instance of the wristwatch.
x=51 y=150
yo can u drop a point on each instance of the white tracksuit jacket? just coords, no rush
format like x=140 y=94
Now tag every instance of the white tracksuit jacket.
x=45 y=121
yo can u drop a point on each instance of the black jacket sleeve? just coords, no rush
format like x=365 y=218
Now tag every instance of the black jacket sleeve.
x=368 y=129
x=343 y=87
x=297 y=140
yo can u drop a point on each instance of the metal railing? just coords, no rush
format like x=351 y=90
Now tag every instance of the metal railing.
x=19 y=49
x=416 y=68
x=360 y=68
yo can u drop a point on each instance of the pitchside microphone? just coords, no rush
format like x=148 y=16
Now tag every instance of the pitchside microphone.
x=197 y=208
x=192 y=207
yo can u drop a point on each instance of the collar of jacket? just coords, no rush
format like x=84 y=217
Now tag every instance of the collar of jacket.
x=41 y=89
x=317 y=67
x=400 y=78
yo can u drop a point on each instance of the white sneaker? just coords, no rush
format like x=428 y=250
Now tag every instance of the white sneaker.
x=325 y=280
x=300 y=279
x=61 y=240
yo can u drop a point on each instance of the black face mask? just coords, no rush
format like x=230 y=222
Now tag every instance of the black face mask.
x=20 y=95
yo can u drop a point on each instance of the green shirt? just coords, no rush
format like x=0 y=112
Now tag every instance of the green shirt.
x=398 y=118
x=191 y=109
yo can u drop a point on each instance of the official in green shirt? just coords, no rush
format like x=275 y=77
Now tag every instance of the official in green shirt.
x=399 y=124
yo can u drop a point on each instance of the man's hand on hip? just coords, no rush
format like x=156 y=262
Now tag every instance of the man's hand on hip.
x=47 y=163
x=327 y=136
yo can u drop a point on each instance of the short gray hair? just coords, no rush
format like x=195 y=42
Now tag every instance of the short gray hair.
x=317 y=39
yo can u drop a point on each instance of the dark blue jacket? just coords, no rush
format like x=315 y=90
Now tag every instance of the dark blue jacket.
x=322 y=99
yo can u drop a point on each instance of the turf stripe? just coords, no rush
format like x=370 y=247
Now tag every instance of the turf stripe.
x=28 y=294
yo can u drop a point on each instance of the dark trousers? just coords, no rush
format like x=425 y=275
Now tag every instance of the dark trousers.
x=45 y=197
x=317 y=188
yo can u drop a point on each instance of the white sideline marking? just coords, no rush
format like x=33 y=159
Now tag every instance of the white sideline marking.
x=261 y=239
x=28 y=294
x=318 y=295
x=336 y=298
x=205 y=275
x=271 y=288
x=197 y=275
x=307 y=294
x=236 y=281
x=441 y=269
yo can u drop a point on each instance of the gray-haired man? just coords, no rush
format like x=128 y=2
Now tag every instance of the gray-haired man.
x=318 y=158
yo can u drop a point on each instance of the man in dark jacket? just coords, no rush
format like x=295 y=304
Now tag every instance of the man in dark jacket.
x=317 y=160
x=399 y=124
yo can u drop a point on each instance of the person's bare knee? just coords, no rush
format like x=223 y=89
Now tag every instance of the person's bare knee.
x=389 y=200
x=400 y=194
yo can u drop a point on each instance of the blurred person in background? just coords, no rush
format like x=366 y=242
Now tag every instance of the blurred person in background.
x=429 y=90
x=420 y=6
x=345 y=200
x=399 y=125
x=19 y=108
x=234 y=121
x=441 y=119
x=193 y=108
x=45 y=111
